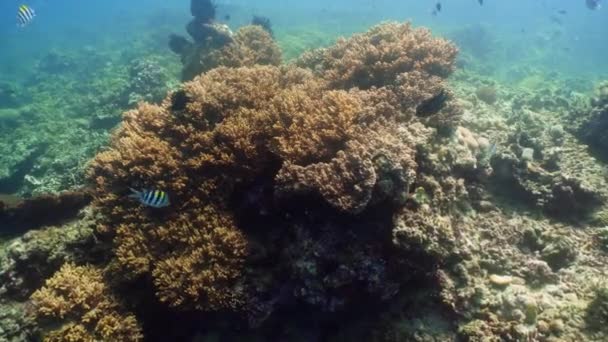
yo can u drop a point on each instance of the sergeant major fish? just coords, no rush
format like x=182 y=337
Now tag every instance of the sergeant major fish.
x=25 y=15
x=151 y=198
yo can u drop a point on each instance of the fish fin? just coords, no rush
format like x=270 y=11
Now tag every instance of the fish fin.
x=134 y=193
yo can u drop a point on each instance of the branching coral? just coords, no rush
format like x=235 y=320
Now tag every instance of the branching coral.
x=353 y=143
x=407 y=62
x=78 y=297
x=250 y=45
x=377 y=58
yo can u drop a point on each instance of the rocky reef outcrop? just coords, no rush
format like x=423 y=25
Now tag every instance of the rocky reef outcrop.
x=301 y=163
x=593 y=127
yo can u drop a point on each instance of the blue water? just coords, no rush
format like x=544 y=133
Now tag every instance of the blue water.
x=524 y=31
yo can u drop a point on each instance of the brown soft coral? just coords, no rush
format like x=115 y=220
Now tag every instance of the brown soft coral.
x=78 y=299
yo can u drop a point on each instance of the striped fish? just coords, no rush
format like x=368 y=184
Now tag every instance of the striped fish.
x=25 y=15
x=151 y=198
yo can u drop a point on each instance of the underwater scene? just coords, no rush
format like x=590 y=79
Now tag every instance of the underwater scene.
x=307 y=171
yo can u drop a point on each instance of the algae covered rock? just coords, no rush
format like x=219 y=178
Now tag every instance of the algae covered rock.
x=557 y=249
x=559 y=252
x=477 y=331
x=15 y=324
x=487 y=94
x=27 y=261
x=424 y=232
x=594 y=126
x=597 y=311
x=602 y=238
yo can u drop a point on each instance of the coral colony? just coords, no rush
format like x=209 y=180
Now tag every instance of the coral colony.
x=353 y=194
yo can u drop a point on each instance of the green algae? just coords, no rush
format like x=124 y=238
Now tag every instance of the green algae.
x=71 y=122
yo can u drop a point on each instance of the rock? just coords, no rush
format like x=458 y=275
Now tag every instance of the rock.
x=500 y=280
x=538 y=273
x=557 y=326
x=559 y=252
x=487 y=94
x=543 y=327
x=557 y=132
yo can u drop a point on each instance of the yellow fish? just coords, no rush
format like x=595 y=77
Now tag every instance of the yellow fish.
x=25 y=15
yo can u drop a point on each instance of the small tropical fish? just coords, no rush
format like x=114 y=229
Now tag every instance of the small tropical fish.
x=25 y=15
x=593 y=4
x=480 y=2
x=151 y=198
x=437 y=9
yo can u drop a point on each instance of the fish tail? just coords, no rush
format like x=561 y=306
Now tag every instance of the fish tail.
x=134 y=193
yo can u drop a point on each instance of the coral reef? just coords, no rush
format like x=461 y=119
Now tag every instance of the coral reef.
x=249 y=46
x=15 y=325
x=593 y=127
x=597 y=311
x=487 y=94
x=147 y=81
x=538 y=160
x=49 y=138
x=78 y=299
x=385 y=55
x=351 y=195
x=602 y=237
x=10 y=96
x=238 y=147
x=216 y=45
x=28 y=260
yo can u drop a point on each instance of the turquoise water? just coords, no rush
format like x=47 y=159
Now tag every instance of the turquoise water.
x=522 y=31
